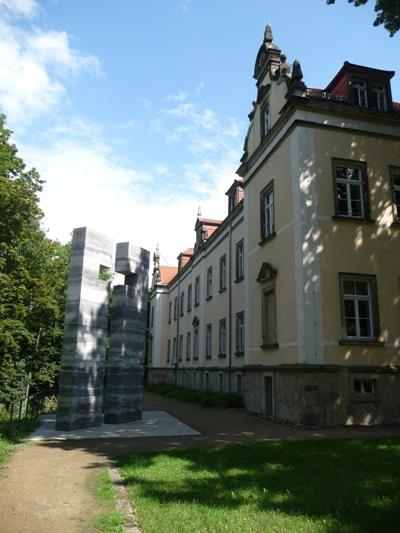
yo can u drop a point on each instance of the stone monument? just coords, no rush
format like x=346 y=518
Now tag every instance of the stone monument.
x=82 y=373
x=124 y=381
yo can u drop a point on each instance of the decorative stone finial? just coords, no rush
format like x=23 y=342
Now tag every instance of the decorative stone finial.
x=156 y=256
x=199 y=211
x=297 y=73
x=268 y=35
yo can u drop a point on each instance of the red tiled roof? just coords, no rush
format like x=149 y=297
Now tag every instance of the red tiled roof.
x=167 y=273
x=188 y=251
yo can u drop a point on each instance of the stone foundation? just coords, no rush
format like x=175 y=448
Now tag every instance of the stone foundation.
x=305 y=394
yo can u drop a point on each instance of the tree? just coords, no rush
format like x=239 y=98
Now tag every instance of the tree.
x=33 y=274
x=387 y=13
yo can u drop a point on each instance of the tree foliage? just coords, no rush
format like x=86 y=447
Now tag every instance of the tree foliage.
x=387 y=13
x=33 y=275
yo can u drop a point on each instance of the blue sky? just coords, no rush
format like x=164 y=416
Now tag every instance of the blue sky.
x=134 y=112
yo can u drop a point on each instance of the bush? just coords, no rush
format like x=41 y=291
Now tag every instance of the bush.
x=201 y=397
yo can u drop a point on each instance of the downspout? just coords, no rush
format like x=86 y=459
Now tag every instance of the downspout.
x=178 y=310
x=230 y=309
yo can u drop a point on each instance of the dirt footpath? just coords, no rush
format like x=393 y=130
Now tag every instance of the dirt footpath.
x=49 y=490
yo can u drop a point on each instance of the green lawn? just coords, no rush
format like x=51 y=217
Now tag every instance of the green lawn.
x=110 y=521
x=309 y=486
x=12 y=433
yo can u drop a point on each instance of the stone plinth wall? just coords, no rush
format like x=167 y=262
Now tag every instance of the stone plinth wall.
x=306 y=394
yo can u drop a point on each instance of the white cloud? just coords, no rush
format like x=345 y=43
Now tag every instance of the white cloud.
x=25 y=8
x=33 y=66
x=177 y=97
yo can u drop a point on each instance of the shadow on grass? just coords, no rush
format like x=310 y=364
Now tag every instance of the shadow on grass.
x=344 y=485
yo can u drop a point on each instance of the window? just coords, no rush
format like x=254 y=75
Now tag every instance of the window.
x=180 y=347
x=351 y=188
x=189 y=298
x=182 y=306
x=150 y=349
x=222 y=273
x=152 y=316
x=188 y=346
x=240 y=333
x=208 y=340
x=360 y=93
x=197 y=291
x=209 y=283
x=269 y=316
x=196 y=342
x=221 y=382
x=267 y=216
x=175 y=307
x=379 y=97
x=232 y=201
x=359 y=307
x=169 y=312
x=265 y=120
x=222 y=337
x=365 y=387
x=239 y=384
x=395 y=173
x=174 y=352
x=169 y=351
x=239 y=261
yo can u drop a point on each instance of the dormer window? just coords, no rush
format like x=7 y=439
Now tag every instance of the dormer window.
x=379 y=97
x=265 y=122
x=360 y=93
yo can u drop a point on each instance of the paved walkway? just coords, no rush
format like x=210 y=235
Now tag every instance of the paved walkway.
x=46 y=486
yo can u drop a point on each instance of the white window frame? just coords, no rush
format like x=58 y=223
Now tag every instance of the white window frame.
x=240 y=332
x=182 y=303
x=189 y=298
x=363 y=388
x=379 y=91
x=209 y=340
x=197 y=290
x=349 y=183
x=395 y=175
x=196 y=342
x=209 y=288
x=222 y=272
x=188 y=345
x=360 y=87
x=369 y=297
x=222 y=336
x=267 y=212
x=240 y=260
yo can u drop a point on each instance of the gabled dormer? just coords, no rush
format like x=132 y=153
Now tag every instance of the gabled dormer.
x=204 y=228
x=184 y=258
x=363 y=86
x=235 y=194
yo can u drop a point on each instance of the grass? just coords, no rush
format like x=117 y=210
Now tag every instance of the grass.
x=346 y=486
x=110 y=521
x=201 y=397
x=12 y=433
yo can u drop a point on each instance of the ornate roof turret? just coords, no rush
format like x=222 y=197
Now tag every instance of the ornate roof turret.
x=156 y=268
x=268 y=55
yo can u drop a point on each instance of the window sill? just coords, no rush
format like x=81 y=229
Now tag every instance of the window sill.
x=208 y=298
x=187 y=358
x=195 y=358
x=360 y=342
x=239 y=354
x=196 y=304
x=181 y=314
x=353 y=219
x=238 y=280
x=269 y=346
x=180 y=359
x=267 y=238
x=188 y=310
x=208 y=356
x=222 y=355
x=222 y=290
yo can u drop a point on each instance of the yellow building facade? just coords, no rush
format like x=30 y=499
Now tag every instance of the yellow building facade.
x=293 y=300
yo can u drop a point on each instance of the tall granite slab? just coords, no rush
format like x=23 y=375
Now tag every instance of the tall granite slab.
x=123 y=398
x=81 y=382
